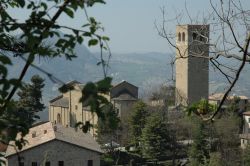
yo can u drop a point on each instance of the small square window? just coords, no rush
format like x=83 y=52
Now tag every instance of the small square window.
x=33 y=134
x=34 y=163
x=60 y=163
x=47 y=163
x=90 y=162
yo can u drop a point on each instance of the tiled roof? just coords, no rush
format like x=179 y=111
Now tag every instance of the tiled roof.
x=246 y=113
x=48 y=132
x=219 y=96
x=60 y=101
x=124 y=96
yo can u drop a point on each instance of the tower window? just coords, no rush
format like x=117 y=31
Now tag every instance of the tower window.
x=183 y=36
x=179 y=37
x=76 y=107
x=194 y=35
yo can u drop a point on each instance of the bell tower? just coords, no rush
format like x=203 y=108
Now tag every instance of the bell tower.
x=192 y=63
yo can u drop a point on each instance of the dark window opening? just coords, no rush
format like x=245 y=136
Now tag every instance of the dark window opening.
x=179 y=36
x=194 y=35
x=90 y=162
x=33 y=134
x=183 y=36
x=34 y=163
x=21 y=164
x=60 y=163
x=76 y=107
x=59 y=118
x=47 y=163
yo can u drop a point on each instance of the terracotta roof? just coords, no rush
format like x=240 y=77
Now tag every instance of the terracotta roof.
x=246 y=113
x=60 y=101
x=219 y=96
x=48 y=132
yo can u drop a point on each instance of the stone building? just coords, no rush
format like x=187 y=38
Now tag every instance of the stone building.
x=50 y=145
x=123 y=96
x=241 y=101
x=191 y=63
x=66 y=109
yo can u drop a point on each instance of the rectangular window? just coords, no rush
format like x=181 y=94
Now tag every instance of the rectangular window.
x=60 y=163
x=76 y=107
x=34 y=163
x=21 y=164
x=47 y=163
x=90 y=162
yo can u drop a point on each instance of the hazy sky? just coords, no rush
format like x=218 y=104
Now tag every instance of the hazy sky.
x=130 y=23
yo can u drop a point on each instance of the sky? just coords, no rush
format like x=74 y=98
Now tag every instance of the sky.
x=130 y=24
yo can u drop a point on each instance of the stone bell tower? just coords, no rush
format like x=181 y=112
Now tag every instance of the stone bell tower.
x=192 y=63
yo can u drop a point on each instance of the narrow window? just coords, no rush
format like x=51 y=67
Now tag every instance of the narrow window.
x=59 y=118
x=47 y=163
x=179 y=37
x=60 y=163
x=34 y=163
x=76 y=107
x=183 y=36
x=44 y=131
x=90 y=162
x=194 y=35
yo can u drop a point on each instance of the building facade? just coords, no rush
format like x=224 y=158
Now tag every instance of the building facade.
x=56 y=145
x=67 y=110
x=192 y=63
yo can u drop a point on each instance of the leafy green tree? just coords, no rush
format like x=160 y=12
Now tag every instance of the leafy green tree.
x=108 y=126
x=246 y=156
x=200 y=149
x=137 y=122
x=30 y=97
x=156 y=140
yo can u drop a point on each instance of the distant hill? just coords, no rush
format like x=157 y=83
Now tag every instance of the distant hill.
x=145 y=70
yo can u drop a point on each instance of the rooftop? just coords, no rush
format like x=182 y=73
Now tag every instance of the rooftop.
x=47 y=132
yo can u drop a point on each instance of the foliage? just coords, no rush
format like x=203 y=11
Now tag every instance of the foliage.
x=156 y=139
x=202 y=107
x=246 y=156
x=199 y=151
x=30 y=96
x=137 y=122
x=40 y=26
x=227 y=130
x=107 y=126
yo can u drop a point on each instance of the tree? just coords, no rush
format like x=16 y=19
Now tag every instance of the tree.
x=35 y=30
x=199 y=151
x=108 y=126
x=156 y=140
x=246 y=156
x=30 y=96
x=229 y=23
x=137 y=122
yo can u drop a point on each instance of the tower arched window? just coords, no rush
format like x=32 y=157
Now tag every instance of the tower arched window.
x=194 y=35
x=183 y=36
x=179 y=36
x=59 y=119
